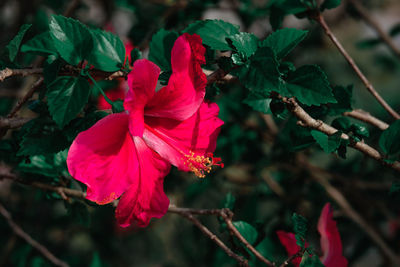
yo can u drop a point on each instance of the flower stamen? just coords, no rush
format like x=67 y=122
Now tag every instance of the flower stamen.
x=201 y=165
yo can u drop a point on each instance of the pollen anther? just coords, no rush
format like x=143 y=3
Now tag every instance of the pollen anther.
x=201 y=165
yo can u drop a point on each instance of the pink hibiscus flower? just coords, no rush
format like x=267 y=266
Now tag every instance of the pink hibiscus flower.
x=331 y=244
x=129 y=154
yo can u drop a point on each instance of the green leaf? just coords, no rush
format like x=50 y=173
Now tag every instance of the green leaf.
x=108 y=52
x=40 y=44
x=289 y=6
x=51 y=68
x=245 y=44
x=214 y=32
x=261 y=72
x=329 y=4
x=258 y=102
x=96 y=261
x=343 y=96
x=368 y=43
x=81 y=124
x=229 y=201
x=160 y=48
x=41 y=137
x=300 y=229
x=39 y=164
x=309 y=260
x=247 y=231
x=328 y=143
x=390 y=139
x=71 y=38
x=310 y=86
x=66 y=97
x=268 y=249
x=342 y=123
x=283 y=41
x=395 y=30
x=14 y=44
x=359 y=130
x=117 y=106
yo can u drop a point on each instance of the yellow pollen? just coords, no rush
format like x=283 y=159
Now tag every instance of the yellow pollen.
x=199 y=165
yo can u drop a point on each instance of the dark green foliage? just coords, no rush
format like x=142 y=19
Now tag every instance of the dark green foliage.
x=344 y=98
x=283 y=41
x=66 y=98
x=258 y=102
x=328 y=143
x=71 y=38
x=41 y=44
x=310 y=86
x=247 y=231
x=329 y=4
x=41 y=136
x=160 y=48
x=310 y=260
x=389 y=140
x=214 y=32
x=108 y=51
x=300 y=229
x=229 y=201
x=13 y=46
x=261 y=72
x=245 y=45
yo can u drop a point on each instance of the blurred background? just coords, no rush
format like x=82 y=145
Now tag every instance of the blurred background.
x=268 y=178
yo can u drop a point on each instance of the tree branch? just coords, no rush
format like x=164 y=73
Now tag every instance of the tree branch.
x=367 y=117
x=306 y=120
x=321 y=21
x=21 y=233
x=227 y=215
x=363 y=12
x=26 y=97
x=213 y=237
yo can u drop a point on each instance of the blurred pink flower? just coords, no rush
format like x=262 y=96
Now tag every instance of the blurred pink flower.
x=331 y=245
x=129 y=154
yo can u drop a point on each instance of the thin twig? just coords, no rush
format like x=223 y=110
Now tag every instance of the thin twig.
x=363 y=12
x=26 y=97
x=321 y=21
x=62 y=191
x=12 y=123
x=340 y=199
x=21 y=233
x=19 y=72
x=288 y=260
x=367 y=117
x=236 y=233
x=306 y=120
x=213 y=237
x=227 y=215
x=68 y=70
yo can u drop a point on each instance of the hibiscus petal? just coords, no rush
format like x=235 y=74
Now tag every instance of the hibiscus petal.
x=104 y=158
x=142 y=81
x=185 y=91
x=145 y=198
x=288 y=240
x=175 y=140
x=331 y=244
